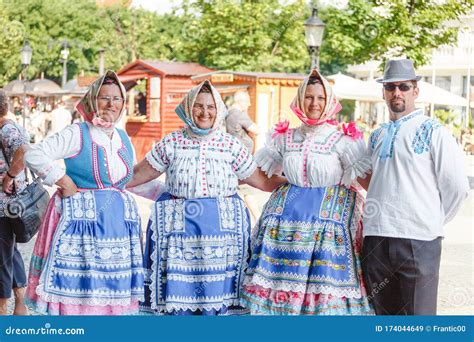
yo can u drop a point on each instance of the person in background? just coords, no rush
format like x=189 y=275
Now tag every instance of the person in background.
x=60 y=118
x=141 y=100
x=14 y=139
x=238 y=122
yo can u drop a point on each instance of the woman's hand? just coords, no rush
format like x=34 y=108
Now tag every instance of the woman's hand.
x=16 y=167
x=8 y=184
x=67 y=187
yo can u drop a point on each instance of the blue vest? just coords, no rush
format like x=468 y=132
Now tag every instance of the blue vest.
x=89 y=168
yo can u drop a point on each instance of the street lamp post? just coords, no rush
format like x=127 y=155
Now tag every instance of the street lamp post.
x=64 y=57
x=25 y=55
x=314 y=30
x=101 y=62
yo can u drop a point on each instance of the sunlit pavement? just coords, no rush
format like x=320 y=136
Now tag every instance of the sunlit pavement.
x=456 y=288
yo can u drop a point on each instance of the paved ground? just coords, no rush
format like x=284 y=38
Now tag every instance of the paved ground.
x=456 y=288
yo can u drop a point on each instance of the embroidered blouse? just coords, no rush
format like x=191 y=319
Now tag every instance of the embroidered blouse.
x=67 y=143
x=199 y=167
x=13 y=136
x=418 y=179
x=314 y=156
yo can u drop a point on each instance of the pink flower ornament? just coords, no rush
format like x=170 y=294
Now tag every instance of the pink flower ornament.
x=351 y=130
x=281 y=128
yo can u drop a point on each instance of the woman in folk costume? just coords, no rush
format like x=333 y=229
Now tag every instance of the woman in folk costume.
x=88 y=256
x=305 y=256
x=197 y=244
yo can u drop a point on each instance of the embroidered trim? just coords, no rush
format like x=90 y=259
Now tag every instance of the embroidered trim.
x=155 y=288
x=395 y=125
x=81 y=140
x=98 y=274
x=84 y=206
x=221 y=303
x=200 y=278
x=325 y=146
x=131 y=297
x=276 y=203
x=130 y=208
x=52 y=293
x=229 y=219
x=250 y=170
x=154 y=163
x=267 y=301
x=422 y=141
x=302 y=236
x=288 y=285
x=334 y=205
x=198 y=253
x=374 y=137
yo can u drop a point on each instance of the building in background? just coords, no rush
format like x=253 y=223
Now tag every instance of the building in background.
x=270 y=95
x=166 y=83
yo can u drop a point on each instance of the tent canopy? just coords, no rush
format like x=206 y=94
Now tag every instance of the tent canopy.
x=39 y=87
x=350 y=88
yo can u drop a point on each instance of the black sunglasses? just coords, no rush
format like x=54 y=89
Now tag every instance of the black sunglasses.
x=403 y=87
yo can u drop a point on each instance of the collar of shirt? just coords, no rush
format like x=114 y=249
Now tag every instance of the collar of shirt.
x=392 y=128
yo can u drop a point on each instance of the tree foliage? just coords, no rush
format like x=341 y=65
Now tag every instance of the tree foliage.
x=249 y=35
x=264 y=35
x=382 y=29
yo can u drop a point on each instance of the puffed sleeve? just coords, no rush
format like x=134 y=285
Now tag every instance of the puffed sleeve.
x=14 y=136
x=160 y=154
x=449 y=168
x=242 y=160
x=354 y=159
x=40 y=157
x=270 y=157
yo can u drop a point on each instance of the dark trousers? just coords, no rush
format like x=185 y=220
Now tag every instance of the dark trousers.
x=401 y=275
x=12 y=269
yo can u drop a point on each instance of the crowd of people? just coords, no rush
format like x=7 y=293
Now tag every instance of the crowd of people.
x=321 y=246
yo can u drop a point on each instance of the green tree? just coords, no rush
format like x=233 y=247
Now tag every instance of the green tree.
x=124 y=33
x=265 y=35
x=247 y=35
x=381 y=29
x=46 y=24
x=268 y=35
x=11 y=37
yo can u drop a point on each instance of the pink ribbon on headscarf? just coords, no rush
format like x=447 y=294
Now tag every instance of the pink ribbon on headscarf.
x=99 y=122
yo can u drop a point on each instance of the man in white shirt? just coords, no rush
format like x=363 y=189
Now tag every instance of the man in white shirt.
x=417 y=185
x=60 y=118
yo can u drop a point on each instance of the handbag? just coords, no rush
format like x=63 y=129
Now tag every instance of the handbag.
x=26 y=209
